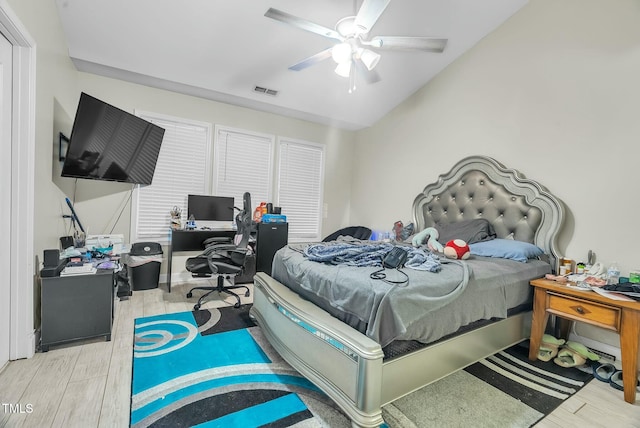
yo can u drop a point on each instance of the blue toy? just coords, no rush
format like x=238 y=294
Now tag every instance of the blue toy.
x=430 y=237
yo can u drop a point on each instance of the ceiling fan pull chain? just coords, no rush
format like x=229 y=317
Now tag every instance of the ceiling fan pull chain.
x=352 y=78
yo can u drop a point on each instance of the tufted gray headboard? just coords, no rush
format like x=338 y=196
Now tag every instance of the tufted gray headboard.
x=481 y=187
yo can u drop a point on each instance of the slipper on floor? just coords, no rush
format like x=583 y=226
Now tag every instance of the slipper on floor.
x=588 y=367
x=603 y=372
x=616 y=381
x=549 y=347
x=574 y=354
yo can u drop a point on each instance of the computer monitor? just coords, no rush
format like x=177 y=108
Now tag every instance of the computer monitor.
x=209 y=210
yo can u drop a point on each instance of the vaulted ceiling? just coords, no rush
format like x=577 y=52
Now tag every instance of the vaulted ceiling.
x=223 y=49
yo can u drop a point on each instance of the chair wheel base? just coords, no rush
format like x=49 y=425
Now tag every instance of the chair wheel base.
x=189 y=295
x=247 y=294
x=196 y=307
x=237 y=305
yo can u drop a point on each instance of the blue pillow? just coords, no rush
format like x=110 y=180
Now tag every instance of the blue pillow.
x=506 y=249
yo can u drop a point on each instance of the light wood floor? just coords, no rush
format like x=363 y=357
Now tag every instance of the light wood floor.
x=87 y=384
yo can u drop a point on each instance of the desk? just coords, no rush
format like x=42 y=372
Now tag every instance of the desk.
x=76 y=307
x=191 y=240
x=587 y=306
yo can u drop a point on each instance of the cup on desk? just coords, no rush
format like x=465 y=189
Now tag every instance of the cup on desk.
x=79 y=239
x=269 y=208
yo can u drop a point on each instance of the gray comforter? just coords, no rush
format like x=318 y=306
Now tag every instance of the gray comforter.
x=430 y=306
x=367 y=253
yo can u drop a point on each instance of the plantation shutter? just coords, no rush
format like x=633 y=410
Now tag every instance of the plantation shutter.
x=182 y=169
x=301 y=173
x=243 y=163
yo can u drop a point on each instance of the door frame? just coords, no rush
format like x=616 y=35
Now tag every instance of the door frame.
x=22 y=258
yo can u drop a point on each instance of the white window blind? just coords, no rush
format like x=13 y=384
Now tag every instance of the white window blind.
x=300 y=178
x=243 y=163
x=182 y=169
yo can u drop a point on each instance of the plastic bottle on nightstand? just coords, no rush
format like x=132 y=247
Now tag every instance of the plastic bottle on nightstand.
x=613 y=273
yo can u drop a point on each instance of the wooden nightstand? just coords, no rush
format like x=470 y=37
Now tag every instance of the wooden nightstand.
x=589 y=307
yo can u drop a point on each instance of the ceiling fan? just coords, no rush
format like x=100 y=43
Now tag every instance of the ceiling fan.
x=354 y=52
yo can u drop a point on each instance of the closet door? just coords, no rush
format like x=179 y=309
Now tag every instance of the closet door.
x=6 y=65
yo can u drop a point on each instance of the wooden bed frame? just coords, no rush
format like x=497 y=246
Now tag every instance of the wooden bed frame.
x=350 y=367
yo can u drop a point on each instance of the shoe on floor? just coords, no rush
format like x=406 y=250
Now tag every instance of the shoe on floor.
x=616 y=381
x=603 y=372
x=549 y=347
x=574 y=354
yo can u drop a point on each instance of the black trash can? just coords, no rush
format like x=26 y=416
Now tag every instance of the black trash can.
x=143 y=265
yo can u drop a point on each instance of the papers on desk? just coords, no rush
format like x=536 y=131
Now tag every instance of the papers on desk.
x=108 y=244
x=105 y=244
x=613 y=295
x=119 y=249
x=616 y=295
x=67 y=253
x=85 y=269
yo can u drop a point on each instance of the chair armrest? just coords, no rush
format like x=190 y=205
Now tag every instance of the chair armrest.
x=216 y=248
x=217 y=240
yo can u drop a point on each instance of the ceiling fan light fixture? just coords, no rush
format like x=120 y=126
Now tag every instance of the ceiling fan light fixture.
x=343 y=69
x=341 y=53
x=369 y=58
x=346 y=26
x=352 y=53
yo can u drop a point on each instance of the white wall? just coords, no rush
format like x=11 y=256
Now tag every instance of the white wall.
x=554 y=93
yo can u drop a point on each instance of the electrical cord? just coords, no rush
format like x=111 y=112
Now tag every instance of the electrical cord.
x=382 y=276
x=121 y=211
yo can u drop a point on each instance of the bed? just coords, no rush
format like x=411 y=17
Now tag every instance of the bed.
x=355 y=367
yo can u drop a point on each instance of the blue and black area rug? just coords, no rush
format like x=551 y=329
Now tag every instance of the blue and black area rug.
x=213 y=368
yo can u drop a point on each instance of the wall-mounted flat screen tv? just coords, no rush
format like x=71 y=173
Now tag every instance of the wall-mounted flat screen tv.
x=108 y=143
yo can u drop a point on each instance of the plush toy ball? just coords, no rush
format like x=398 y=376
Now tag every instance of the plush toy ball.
x=457 y=249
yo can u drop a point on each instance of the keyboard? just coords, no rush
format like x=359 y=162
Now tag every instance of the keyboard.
x=78 y=270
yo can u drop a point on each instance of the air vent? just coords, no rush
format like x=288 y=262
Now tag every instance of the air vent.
x=265 y=91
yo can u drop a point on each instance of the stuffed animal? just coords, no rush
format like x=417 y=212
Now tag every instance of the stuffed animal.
x=457 y=249
x=430 y=237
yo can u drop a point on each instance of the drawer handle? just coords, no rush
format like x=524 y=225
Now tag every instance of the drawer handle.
x=580 y=310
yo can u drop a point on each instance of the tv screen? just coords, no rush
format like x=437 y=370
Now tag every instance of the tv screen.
x=210 y=208
x=108 y=143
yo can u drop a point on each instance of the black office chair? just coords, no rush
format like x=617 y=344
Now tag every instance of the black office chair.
x=223 y=258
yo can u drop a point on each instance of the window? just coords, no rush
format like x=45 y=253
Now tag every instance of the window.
x=289 y=174
x=300 y=178
x=243 y=162
x=183 y=168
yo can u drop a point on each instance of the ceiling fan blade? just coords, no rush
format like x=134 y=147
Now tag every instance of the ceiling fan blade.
x=369 y=13
x=426 y=44
x=369 y=76
x=312 y=60
x=303 y=24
